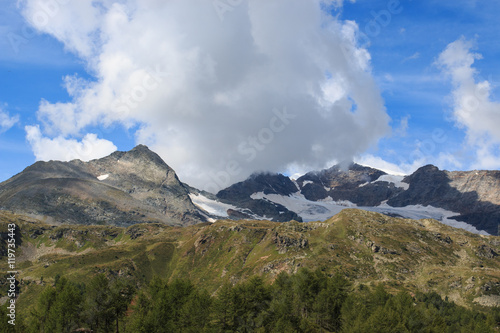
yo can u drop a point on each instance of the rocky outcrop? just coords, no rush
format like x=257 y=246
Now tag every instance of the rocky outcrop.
x=440 y=238
x=485 y=251
x=240 y=195
x=285 y=242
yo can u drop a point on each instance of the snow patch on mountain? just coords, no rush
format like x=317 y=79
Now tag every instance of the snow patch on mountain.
x=326 y=208
x=210 y=206
x=306 y=209
x=395 y=179
x=417 y=212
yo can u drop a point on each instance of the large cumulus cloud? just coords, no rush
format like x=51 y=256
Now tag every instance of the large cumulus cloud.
x=218 y=92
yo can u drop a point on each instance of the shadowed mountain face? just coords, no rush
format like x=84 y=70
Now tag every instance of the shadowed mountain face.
x=240 y=194
x=121 y=189
x=473 y=195
x=341 y=183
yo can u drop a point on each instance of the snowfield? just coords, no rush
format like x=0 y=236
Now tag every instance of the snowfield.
x=396 y=180
x=323 y=210
x=307 y=210
x=417 y=212
x=211 y=206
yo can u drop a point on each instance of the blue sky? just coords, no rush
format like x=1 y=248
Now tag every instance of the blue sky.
x=404 y=58
x=407 y=65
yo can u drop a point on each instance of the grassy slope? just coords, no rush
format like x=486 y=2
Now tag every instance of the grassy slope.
x=367 y=247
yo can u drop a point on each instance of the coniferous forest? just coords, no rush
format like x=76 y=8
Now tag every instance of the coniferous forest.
x=308 y=301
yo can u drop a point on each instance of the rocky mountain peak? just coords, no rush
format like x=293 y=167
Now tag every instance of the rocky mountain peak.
x=339 y=181
x=142 y=153
x=267 y=183
x=428 y=168
x=344 y=175
x=137 y=165
x=123 y=188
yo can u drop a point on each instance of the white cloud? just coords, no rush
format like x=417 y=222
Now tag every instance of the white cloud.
x=414 y=56
x=388 y=167
x=63 y=149
x=75 y=23
x=205 y=91
x=487 y=155
x=6 y=121
x=473 y=109
x=448 y=161
x=402 y=130
x=444 y=161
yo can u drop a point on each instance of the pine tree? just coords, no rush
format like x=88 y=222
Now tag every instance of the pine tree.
x=99 y=312
x=224 y=311
x=195 y=312
x=121 y=295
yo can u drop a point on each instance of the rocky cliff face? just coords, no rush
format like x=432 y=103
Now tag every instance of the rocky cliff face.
x=473 y=195
x=344 y=183
x=240 y=194
x=121 y=189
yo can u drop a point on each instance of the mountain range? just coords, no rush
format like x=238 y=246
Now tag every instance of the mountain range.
x=129 y=217
x=126 y=188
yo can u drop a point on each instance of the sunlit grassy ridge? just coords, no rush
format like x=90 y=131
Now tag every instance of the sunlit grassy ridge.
x=365 y=247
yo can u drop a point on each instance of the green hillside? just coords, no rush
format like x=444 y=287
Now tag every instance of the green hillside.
x=365 y=247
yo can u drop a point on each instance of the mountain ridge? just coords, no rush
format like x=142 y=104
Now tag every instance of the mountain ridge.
x=366 y=247
x=137 y=186
x=472 y=197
